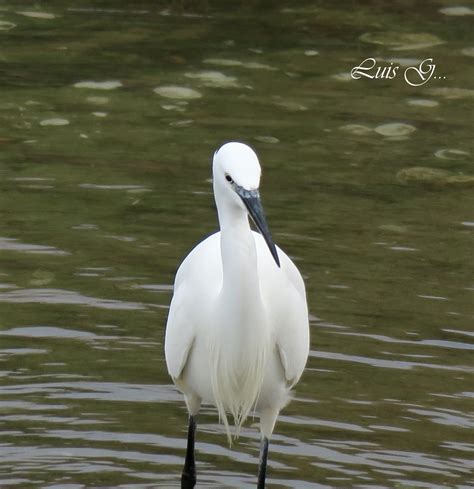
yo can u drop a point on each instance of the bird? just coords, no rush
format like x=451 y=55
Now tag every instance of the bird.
x=237 y=333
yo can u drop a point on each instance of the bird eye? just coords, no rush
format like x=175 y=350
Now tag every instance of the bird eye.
x=229 y=179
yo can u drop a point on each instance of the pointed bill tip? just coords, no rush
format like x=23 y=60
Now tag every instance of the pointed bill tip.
x=276 y=258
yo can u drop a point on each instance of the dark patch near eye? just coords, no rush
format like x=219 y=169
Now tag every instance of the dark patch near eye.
x=229 y=178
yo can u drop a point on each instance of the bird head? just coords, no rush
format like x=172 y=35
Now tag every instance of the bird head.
x=236 y=180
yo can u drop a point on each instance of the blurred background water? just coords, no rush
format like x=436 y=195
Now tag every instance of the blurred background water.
x=110 y=112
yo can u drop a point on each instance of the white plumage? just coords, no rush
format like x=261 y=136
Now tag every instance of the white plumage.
x=237 y=334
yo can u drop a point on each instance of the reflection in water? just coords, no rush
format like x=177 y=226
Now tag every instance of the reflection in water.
x=103 y=188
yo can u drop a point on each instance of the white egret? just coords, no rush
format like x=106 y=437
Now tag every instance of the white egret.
x=237 y=334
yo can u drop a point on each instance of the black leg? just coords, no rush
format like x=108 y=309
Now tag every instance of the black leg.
x=262 y=468
x=188 y=477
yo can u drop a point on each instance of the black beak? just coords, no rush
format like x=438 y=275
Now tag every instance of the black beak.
x=251 y=199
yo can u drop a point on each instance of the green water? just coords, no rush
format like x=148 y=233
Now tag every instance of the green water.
x=103 y=191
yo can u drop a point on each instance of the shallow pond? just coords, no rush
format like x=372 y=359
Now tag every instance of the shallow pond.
x=110 y=112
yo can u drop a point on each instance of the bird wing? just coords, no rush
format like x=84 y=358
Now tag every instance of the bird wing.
x=292 y=338
x=179 y=336
x=283 y=288
x=191 y=283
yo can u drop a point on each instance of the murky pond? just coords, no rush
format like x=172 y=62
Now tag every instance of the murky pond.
x=110 y=112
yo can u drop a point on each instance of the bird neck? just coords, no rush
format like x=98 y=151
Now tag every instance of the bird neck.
x=240 y=286
x=240 y=344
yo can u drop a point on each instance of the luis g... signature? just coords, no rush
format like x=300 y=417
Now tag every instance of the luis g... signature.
x=413 y=75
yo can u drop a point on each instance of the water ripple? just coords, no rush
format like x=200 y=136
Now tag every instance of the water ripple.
x=48 y=332
x=11 y=244
x=59 y=296
x=302 y=421
x=382 y=363
x=99 y=391
x=431 y=342
x=60 y=458
x=444 y=417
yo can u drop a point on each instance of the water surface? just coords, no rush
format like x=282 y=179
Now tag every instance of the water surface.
x=109 y=117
